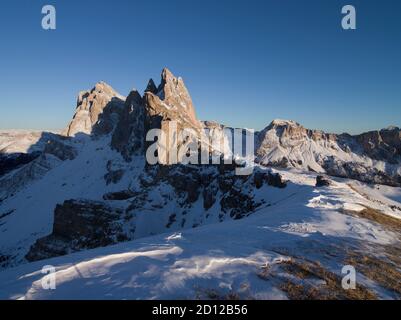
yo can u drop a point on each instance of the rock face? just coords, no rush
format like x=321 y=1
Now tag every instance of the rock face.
x=129 y=136
x=212 y=185
x=97 y=109
x=322 y=181
x=372 y=157
x=79 y=225
x=60 y=150
x=170 y=101
x=382 y=145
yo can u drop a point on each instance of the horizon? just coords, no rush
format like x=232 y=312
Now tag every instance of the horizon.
x=141 y=92
x=265 y=60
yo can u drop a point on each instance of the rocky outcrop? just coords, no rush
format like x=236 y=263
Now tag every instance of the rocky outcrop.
x=322 y=181
x=113 y=173
x=97 y=111
x=212 y=185
x=79 y=225
x=60 y=150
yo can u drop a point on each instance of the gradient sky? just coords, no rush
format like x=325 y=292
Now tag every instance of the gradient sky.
x=244 y=62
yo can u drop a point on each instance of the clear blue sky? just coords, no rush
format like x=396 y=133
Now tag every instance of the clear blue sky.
x=244 y=62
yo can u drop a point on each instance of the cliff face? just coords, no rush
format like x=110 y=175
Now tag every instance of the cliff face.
x=100 y=106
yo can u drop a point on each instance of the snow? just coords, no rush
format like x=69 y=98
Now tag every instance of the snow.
x=20 y=141
x=35 y=203
x=180 y=262
x=225 y=257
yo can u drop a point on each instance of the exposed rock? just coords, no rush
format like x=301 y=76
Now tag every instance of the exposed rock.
x=382 y=145
x=100 y=106
x=209 y=197
x=275 y=180
x=173 y=93
x=151 y=87
x=210 y=184
x=34 y=170
x=322 y=181
x=114 y=174
x=129 y=135
x=271 y=179
x=120 y=195
x=172 y=102
x=15 y=161
x=78 y=225
x=372 y=157
x=60 y=150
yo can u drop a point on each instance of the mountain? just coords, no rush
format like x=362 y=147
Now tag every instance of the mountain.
x=89 y=201
x=373 y=157
x=96 y=108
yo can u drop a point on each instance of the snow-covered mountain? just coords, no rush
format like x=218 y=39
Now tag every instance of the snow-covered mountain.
x=373 y=157
x=193 y=231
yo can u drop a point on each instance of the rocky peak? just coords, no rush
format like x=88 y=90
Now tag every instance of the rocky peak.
x=175 y=96
x=155 y=110
x=91 y=104
x=293 y=131
x=283 y=130
x=151 y=87
x=283 y=123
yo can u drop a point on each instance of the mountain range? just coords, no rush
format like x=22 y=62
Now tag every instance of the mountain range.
x=86 y=197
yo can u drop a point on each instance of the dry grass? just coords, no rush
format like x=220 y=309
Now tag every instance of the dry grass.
x=379 y=217
x=393 y=253
x=215 y=294
x=385 y=273
x=306 y=287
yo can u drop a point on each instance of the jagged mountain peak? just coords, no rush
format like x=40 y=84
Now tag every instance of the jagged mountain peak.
x=172 y=97
x=151 y=87
x=103 y=86
x=91 y=104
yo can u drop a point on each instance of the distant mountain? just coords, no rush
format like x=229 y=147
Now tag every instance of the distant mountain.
x=373 y=157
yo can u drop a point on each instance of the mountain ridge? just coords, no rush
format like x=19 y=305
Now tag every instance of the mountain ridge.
x=99 y=163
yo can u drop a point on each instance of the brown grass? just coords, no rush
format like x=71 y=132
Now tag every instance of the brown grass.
x=376 y=216
x=385 y=273
x=329 y=289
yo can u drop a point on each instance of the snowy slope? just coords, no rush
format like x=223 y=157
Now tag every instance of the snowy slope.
x=220 y=260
